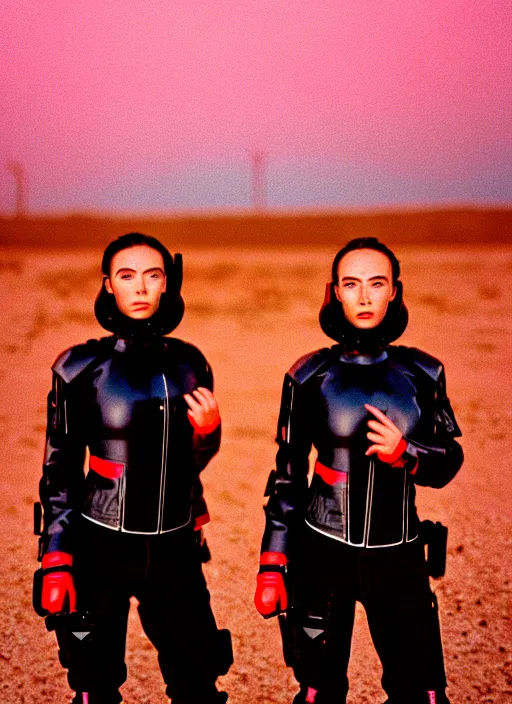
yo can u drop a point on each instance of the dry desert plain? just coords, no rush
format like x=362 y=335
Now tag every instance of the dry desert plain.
x=253 y=312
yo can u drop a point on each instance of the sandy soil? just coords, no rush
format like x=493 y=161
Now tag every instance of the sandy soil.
x=253 y=313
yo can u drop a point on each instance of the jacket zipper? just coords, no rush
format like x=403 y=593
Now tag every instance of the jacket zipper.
x=165 y=441
x=407 y=488
x=122 y=490
x=369 y=498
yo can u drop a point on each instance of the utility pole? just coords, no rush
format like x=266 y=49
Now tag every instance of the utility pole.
x=18 y=172
x=259 y=179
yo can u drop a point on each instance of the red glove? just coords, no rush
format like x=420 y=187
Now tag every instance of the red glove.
x=270 y=597
x=58 y=587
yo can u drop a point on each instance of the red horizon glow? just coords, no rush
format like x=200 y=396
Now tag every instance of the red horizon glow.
x=110 y=97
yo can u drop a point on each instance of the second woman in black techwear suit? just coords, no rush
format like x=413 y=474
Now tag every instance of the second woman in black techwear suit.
x=381 y=423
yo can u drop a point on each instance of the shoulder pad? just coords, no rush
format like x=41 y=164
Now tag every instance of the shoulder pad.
x=186 y=351
x=432 y=366
x=73 y=361
x=307 y=366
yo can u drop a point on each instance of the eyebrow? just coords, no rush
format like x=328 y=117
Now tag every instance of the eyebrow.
x=372 y=278
x=134 y=271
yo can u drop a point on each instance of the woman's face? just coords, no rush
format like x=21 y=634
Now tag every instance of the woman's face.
x=365 y=287
x=137 y=280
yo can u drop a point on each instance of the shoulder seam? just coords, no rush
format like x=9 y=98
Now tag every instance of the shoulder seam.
x=427 y=363
x=186 y=347
x=308 y=365
x=75 y=360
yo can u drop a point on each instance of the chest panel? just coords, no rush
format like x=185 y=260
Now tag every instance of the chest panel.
x=347 y=387
x=130 y=396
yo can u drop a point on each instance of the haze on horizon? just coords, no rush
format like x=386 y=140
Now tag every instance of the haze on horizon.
x=127 y=106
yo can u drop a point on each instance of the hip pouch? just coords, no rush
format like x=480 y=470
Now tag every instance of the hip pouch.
x=77 y=647
x=435 y=538
x=37 y=582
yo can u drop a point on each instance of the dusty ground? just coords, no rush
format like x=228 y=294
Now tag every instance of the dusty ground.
x=253 y=313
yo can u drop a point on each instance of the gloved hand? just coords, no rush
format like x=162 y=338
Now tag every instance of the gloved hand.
x=203 y=411
x=58 y=587
x=388 y=443
x=271 y=597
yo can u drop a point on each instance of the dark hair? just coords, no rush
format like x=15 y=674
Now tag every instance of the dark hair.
x=134 y=239
x=366 y=243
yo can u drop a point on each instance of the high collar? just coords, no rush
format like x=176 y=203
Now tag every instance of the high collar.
x=334 y=323
x=139 y=345
x=364 y=359
x=164 y=321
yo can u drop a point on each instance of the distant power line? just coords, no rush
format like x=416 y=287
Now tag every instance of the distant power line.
x=17 y=170
x=259 y=179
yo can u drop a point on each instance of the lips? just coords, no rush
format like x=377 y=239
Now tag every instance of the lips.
x=140 y=306
x=365 y=316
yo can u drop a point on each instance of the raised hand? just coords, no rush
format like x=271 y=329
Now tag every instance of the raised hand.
x=203 y=411
x=388 y=442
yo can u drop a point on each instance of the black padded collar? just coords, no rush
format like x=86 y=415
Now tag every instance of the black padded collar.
x=165 y=320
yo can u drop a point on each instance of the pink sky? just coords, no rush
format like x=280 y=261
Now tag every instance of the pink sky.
x=136 y=106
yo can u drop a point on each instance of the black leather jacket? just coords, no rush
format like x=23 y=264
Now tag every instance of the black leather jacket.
x=351 y=497
x=124 y=402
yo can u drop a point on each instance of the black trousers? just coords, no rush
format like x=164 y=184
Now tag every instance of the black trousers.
x=393 y=586
x=164 y=573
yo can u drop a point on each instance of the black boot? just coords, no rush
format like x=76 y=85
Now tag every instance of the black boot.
x=437 y=697
x=300 y=698
x=320 y=697
x=95 y=698
x=216 y=698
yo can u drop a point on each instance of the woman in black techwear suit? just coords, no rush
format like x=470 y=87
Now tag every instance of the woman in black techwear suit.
x=143 y=404
x=381 y=423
